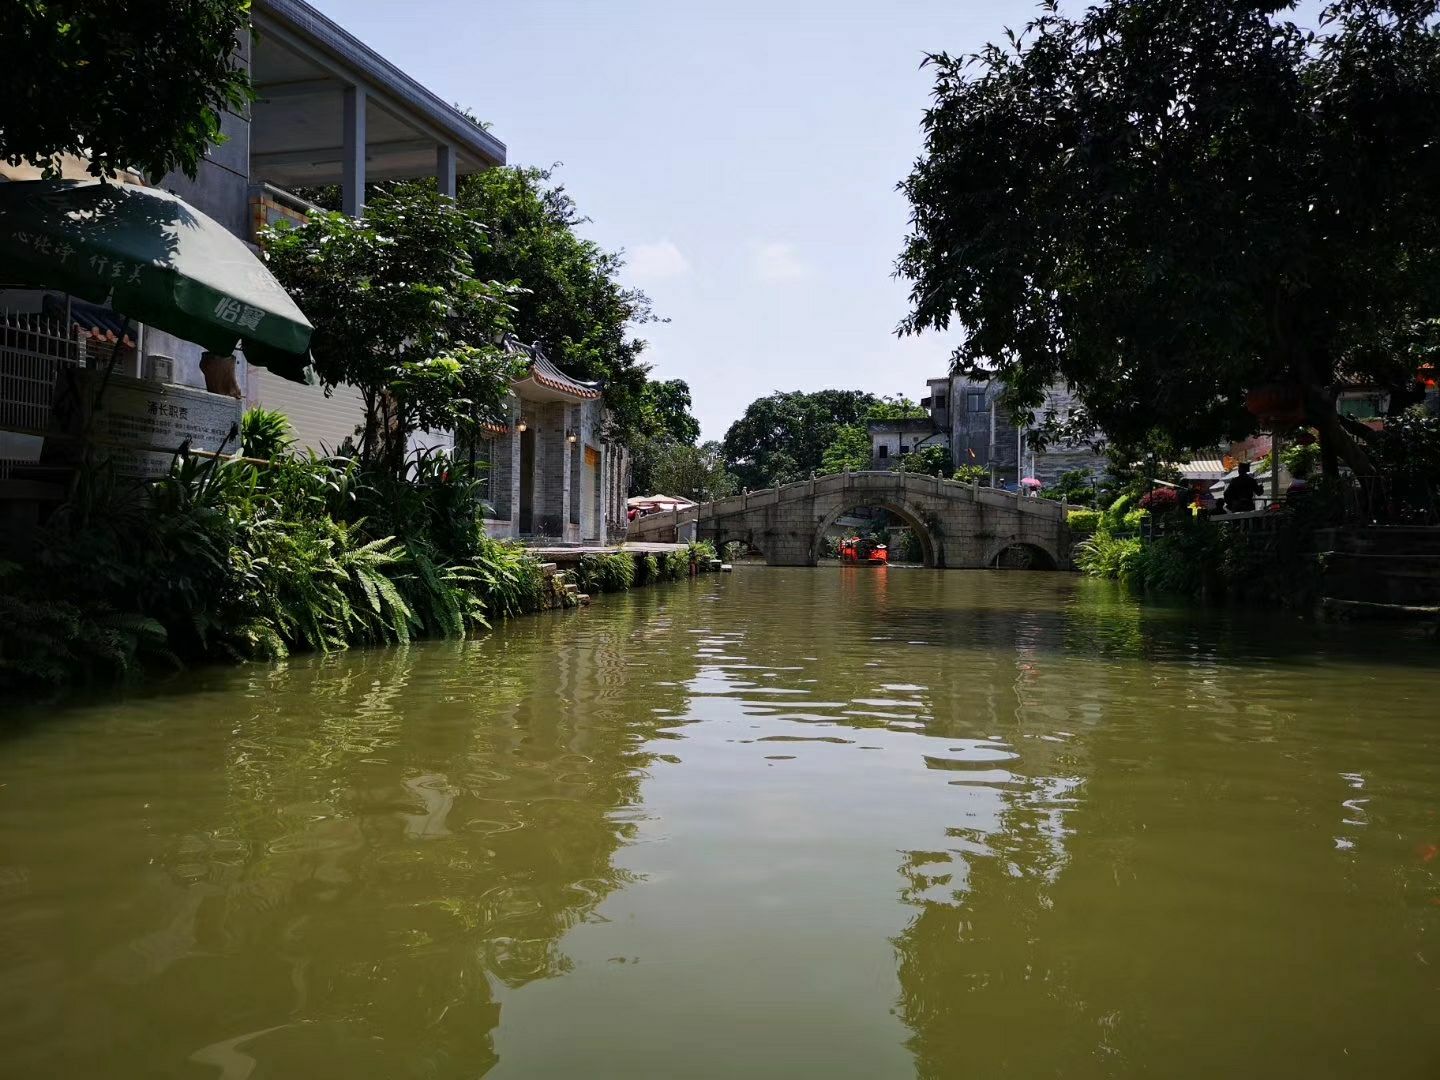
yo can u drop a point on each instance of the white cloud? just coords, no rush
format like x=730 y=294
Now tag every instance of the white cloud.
x=778 y=261
x=658 y=261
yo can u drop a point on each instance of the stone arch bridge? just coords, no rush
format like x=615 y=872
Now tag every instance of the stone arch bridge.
x=959 y=526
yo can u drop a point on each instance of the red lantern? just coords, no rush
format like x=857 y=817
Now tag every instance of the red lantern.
x=1278 y=404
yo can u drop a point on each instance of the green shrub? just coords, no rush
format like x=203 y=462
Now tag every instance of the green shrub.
x=221 y=558
x=1083 y=523
x=907 y=547
x=510 y=580
x=264 y=433
x=928 y=461
x=1104 y=555
x=50 y=642
x=1132 y=520
x=607 y=572
x=1301 y=459
x=1189 y=560
x=1072 y=487
x=1186 y=562
x=973 y=474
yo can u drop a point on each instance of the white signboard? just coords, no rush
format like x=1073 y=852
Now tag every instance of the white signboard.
x=139 y=425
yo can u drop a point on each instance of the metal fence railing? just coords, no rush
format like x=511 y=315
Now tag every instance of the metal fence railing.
x=1348 y=500
x=33 y=350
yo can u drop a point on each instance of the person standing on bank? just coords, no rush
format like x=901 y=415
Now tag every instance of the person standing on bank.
x=1240 y=493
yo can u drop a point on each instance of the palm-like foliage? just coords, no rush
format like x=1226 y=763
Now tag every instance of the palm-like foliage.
x=264 y=433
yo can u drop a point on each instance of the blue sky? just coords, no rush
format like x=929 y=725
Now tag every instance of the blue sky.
x=744 y=155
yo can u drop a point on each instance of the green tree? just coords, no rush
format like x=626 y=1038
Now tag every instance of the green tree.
x=126 y=83
x=782 y=437
x=929 y=460
x=972 y=474
x=572 y=300
x=665 y=428
x=1169 y=204
x=398 y=315
x=898 y=407
x=1076 y=487
x=665 y=412
x=569 y=297
x=849 y=450
x=693 y=472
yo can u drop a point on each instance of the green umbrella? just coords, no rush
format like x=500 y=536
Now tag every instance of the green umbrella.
x=156 y=259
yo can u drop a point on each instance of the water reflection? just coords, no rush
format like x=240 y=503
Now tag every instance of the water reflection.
x=833 y=823
x=338 y=855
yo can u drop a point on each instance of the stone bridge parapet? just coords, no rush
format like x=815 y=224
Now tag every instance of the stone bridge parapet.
x=959 y=526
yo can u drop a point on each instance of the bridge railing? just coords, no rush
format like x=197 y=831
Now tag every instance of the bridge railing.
x=860 y=479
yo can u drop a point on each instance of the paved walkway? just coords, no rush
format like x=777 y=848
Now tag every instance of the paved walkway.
x=566 y=553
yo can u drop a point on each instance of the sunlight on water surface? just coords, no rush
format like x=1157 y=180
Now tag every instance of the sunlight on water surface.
x=784 y=823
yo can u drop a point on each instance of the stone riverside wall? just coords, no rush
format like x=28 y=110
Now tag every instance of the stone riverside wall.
x=959 y=526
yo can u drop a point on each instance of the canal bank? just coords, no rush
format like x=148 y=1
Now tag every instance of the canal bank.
x=581 y=571
x=225 y=560
x=787 y=823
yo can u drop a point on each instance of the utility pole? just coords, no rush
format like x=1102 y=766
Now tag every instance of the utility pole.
x=990 y=456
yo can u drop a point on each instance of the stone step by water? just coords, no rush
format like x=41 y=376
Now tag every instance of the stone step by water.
x=1380 y=571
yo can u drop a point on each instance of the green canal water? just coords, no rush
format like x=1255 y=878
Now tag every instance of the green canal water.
x=782 y=823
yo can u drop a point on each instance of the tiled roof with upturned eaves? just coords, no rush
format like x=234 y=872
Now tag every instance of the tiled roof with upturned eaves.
x=544 y=372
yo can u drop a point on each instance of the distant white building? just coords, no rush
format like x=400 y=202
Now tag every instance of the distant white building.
x=891 y=440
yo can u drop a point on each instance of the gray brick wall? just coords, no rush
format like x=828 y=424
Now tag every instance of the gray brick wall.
x=971 y=403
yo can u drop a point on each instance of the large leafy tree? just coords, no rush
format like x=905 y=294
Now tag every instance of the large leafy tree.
x=573 y=302
x=782 y=437
x=568 y=293
x=665 y=411
x=1170 y=204
x=665 y=431
x=126 y=83
x=399 y=316
x=691 y=472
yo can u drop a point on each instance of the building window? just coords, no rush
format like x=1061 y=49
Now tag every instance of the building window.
x=939 y=401
x=884 y=450
x=975 y=401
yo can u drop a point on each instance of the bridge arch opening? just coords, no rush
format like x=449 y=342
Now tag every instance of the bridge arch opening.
x=931 y=552
x=734 y=547
x=1018 y=555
